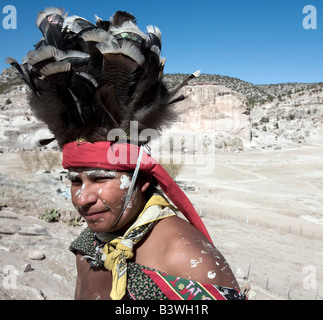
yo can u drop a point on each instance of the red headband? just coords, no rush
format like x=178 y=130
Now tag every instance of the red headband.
x=123 y=157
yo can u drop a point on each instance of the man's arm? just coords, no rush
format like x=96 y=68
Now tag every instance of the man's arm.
x=190 y=255
x=77 y=294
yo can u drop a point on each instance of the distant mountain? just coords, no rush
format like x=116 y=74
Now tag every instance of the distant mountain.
x=253 y=93
x=287 y=89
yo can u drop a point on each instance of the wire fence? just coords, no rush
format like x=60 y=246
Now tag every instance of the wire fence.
x=282 y=228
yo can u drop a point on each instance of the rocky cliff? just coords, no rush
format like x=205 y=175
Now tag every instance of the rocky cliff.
x=213 y=108
x=215 y=114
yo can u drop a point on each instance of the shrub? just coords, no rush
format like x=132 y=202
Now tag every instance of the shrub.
x=50 y=159
x=172 y=168
x=52 y=215
x=34 y=160
x=264 y=120
x=75 y=222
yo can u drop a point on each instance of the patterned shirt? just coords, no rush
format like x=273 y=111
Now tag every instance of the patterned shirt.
x=145 y=283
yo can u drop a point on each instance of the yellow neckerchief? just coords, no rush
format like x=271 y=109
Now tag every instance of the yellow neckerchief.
x=118 y=250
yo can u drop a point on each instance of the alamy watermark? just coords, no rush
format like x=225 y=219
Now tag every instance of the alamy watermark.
x=310 y=20
x=10 y=274
x=9 y=21
x=195 y=149
x=310 y=280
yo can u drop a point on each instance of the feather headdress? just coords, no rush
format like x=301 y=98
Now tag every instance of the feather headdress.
x=87 y=79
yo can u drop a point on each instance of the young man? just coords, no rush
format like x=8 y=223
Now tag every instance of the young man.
x=86 y=82
x=142 y=240
x=172 y=246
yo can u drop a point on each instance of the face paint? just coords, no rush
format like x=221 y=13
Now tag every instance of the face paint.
x=211 y=274
x=133 y=199
x=99 y=196
x=71 y=175
x=92 y=174
x=125 y=182
x=195 y=262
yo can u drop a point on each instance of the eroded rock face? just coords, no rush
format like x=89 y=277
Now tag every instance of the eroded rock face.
x=296 y=121
x=211 y=117
x=213 y=108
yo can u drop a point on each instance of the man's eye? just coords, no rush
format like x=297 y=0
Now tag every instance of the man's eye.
x=73 y=176
x=75 y=181
x=102 y=179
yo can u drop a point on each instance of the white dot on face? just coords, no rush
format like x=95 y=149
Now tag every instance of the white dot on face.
x=125 y=182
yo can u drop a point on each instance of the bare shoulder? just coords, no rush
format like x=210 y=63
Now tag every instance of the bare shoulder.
x=187 y=253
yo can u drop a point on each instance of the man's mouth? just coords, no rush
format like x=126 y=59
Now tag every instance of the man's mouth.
x=94 y=215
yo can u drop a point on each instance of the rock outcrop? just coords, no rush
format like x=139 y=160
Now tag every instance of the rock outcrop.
x=213 y=108
x=215 y=115
x=293 y=121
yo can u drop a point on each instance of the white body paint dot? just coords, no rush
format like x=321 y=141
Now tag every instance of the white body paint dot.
x=125 y=182
x=80 y=191
x=211 y=274
x=195 y=262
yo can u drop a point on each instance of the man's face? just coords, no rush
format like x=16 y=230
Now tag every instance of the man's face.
x=99 y=194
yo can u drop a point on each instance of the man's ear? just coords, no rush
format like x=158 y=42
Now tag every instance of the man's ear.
x=145 y=186
x=145 y=183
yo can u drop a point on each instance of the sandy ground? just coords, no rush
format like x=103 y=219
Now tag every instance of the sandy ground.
x=263 y=210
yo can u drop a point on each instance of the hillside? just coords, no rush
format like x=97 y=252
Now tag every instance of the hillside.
x=254 y=93
x=262 y=116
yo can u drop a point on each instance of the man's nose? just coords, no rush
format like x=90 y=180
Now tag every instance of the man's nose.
x=86 y=195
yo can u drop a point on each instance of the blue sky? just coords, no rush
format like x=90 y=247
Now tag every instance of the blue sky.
x=260 y=41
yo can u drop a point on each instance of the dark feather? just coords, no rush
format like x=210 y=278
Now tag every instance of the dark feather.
x=45 y=142
x=51 y=27
x=120 y=17
x=16 y=65
x=87 y=79
x=187 y=80
x=105 y=25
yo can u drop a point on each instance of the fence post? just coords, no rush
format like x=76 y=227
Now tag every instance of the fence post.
x=248 y=274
